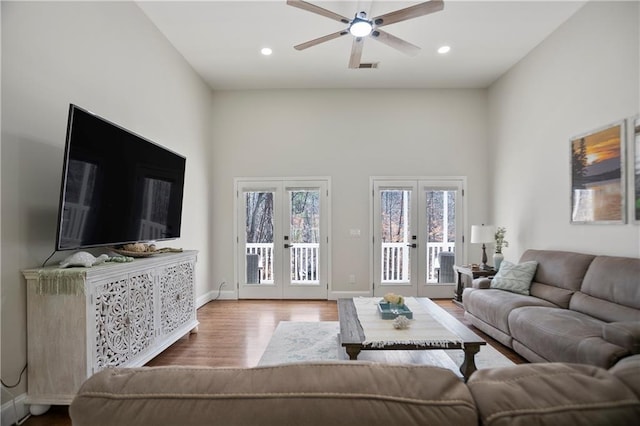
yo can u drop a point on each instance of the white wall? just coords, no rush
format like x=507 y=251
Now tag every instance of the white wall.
x=583 y=76
x=106 y=57
x=348 y=135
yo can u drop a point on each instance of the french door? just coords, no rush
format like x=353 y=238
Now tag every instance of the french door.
x=414 y=221
x=282 y=239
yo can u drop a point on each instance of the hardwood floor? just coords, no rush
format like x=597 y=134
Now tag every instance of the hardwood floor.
x=235 y=334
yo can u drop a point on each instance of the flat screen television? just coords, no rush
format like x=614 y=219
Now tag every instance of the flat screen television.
x=117 y=187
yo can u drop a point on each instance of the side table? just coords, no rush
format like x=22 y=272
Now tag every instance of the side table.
x=473 y=273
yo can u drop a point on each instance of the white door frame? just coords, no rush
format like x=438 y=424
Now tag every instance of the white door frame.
x=418 y=267
x=282 y=288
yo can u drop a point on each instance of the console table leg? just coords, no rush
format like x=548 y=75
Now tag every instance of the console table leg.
x=469 y=364
x=38 y=409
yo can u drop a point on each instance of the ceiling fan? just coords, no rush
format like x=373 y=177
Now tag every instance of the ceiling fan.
x=361 y=27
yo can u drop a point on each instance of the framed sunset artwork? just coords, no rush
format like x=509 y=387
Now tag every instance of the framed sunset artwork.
x=597 y=176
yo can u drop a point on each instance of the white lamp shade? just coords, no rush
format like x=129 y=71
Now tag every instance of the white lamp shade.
x=482 y=233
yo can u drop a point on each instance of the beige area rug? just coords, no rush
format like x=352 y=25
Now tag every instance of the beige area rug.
x=318 y=341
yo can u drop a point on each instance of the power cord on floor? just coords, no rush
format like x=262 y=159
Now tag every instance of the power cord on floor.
x=219 y=290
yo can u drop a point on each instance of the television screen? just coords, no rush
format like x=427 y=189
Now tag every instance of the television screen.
x=117 y=187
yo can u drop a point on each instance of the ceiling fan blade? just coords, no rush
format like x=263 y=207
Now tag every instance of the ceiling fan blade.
x=318 y=10
x=356 y=52
x=319 y=40
x=409 y=12
x=395 y=42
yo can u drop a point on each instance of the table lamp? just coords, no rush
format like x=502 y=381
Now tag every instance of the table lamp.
x=483 y=234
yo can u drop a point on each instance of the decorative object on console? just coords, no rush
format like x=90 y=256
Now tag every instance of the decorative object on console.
x=482 y=234
x=84 y=259
x=120 y=259
x=597 y=176
x=143 y=250
x=498 y=257
x=515 y=278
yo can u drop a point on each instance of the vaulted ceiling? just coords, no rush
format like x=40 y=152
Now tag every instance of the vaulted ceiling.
x=222 y=42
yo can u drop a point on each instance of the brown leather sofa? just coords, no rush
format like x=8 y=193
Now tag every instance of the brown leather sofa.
x=581 y=309
x=360 y=393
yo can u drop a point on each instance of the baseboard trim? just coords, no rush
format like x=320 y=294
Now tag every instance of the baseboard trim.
x=204 y=299
x=9 y=414
x=335 y=295
x=208 y=297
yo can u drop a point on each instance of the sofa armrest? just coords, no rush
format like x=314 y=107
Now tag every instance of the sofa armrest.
x=481 y=283
x=625 y=334
x=628 y=370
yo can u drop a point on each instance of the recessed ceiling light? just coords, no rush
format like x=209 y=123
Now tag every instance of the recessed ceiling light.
x=444 y=49
x=266 y=51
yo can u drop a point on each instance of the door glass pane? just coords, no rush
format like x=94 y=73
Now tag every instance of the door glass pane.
x=396 y=235
x=304 y=234
x=441 y=235
x=259 y=237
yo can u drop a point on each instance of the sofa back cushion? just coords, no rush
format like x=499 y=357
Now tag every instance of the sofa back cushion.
x=610 y=290
x=312 y=394
x=559 y=274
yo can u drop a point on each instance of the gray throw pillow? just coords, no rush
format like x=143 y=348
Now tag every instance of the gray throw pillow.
x=515 y=277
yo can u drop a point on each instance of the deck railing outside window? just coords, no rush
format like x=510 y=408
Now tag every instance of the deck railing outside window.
x=395 y=261
x=305 y=261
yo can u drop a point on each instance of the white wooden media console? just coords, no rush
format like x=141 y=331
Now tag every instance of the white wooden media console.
x=81 y=320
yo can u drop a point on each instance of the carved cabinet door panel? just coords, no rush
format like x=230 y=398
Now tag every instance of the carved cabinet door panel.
x=111 y=308
x=124 y=318
x=141 y=312
x=176 y=296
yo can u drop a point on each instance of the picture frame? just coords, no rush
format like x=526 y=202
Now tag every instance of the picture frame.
x=635 y=129
x=598 y=176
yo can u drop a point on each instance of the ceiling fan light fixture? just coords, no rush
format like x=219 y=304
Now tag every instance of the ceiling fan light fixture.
x=360 y=28
x=444 y=49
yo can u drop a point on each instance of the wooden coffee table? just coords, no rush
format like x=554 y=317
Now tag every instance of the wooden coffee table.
x=352 y=336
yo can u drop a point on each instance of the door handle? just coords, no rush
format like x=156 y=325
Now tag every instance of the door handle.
x=288 y=245
x=414 y=245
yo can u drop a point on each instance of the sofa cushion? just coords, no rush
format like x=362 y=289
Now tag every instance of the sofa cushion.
x=493 y=306
x=602 y=309
x=552 y=394
x=559 y=274
x=614 y=280
x=339 y=393
x=515 y=278
x=562 y=335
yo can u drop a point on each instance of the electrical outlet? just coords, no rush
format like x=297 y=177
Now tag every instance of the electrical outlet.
x=352 y=278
